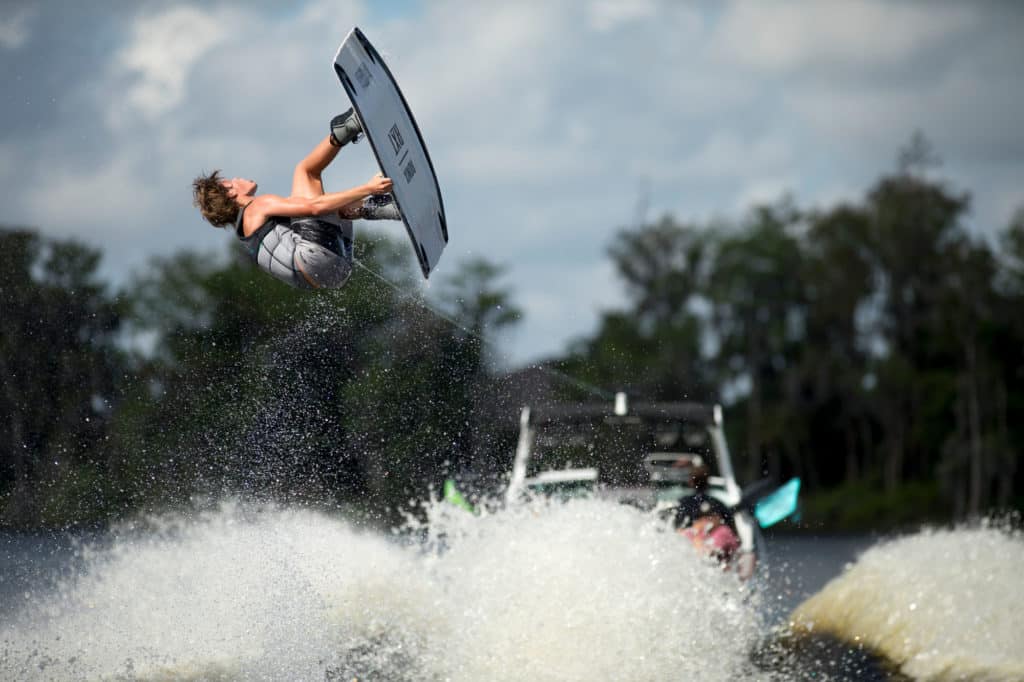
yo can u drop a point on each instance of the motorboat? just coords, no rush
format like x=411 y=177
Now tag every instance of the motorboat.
x=643 y=454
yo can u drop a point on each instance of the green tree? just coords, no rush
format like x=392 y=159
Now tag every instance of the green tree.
x=58 y=363
x=653 y=348
x=421 y=408
x=243 y=389
x=475 y=298
x=868 y=347
x=837 y=280
x=358 y=396
x=913 y=225
x=758 y=319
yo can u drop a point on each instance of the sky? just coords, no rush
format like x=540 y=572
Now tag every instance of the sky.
x=551 y=125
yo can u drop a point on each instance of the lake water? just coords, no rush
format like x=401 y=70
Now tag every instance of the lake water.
x=582 y=591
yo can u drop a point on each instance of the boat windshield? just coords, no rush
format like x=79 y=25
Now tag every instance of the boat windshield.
x=622 y=450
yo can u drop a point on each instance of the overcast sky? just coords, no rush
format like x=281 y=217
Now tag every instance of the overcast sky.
x=549 y=123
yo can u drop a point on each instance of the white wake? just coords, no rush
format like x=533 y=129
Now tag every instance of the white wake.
x=941 y=605
x=583 y=591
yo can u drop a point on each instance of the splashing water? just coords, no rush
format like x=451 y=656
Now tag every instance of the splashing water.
x=589 y=590
x=939 y=605
x=584 y=590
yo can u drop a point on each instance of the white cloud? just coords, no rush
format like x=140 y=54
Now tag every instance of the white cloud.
x=833 y=195
x=765 y=190
x=1007 y=203
x=98 y=204
x=968 y=110
x=8 y=163
x=163 y=48
x=460 y=59
x=14 y=26
x=543 y=119
x=491 y=162
x=604 y=15
x=873 y=118
x=787 y=35
x=565 y=304
x=727 y=155
x=995 y=202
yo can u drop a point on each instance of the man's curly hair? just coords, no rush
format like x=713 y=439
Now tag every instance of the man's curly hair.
x=213 y=200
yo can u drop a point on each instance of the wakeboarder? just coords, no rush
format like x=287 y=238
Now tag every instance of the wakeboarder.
x=304 y=239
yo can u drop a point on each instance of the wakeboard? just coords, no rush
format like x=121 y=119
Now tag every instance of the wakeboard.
x=397 y=143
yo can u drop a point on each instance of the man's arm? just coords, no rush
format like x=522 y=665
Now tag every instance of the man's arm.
x=296 y=207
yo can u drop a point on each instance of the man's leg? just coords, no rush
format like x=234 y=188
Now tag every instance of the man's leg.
x=306 y=181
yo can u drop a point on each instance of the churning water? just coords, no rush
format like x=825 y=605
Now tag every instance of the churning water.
x=587 y=590
x=939 y=604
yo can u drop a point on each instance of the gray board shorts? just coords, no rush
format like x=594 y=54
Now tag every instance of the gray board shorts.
x=320 y=267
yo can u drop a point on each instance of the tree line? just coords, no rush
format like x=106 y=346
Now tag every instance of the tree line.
x=874 y=348
x=204 y=378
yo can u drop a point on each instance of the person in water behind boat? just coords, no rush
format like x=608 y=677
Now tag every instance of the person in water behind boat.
x=704 y=519
x=304 y=239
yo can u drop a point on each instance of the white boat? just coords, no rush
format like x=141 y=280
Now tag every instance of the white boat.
x=563 y=482
x=640 y=454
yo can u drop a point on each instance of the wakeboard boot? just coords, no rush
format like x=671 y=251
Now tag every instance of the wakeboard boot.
x=380 y=207
x=345 y=128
